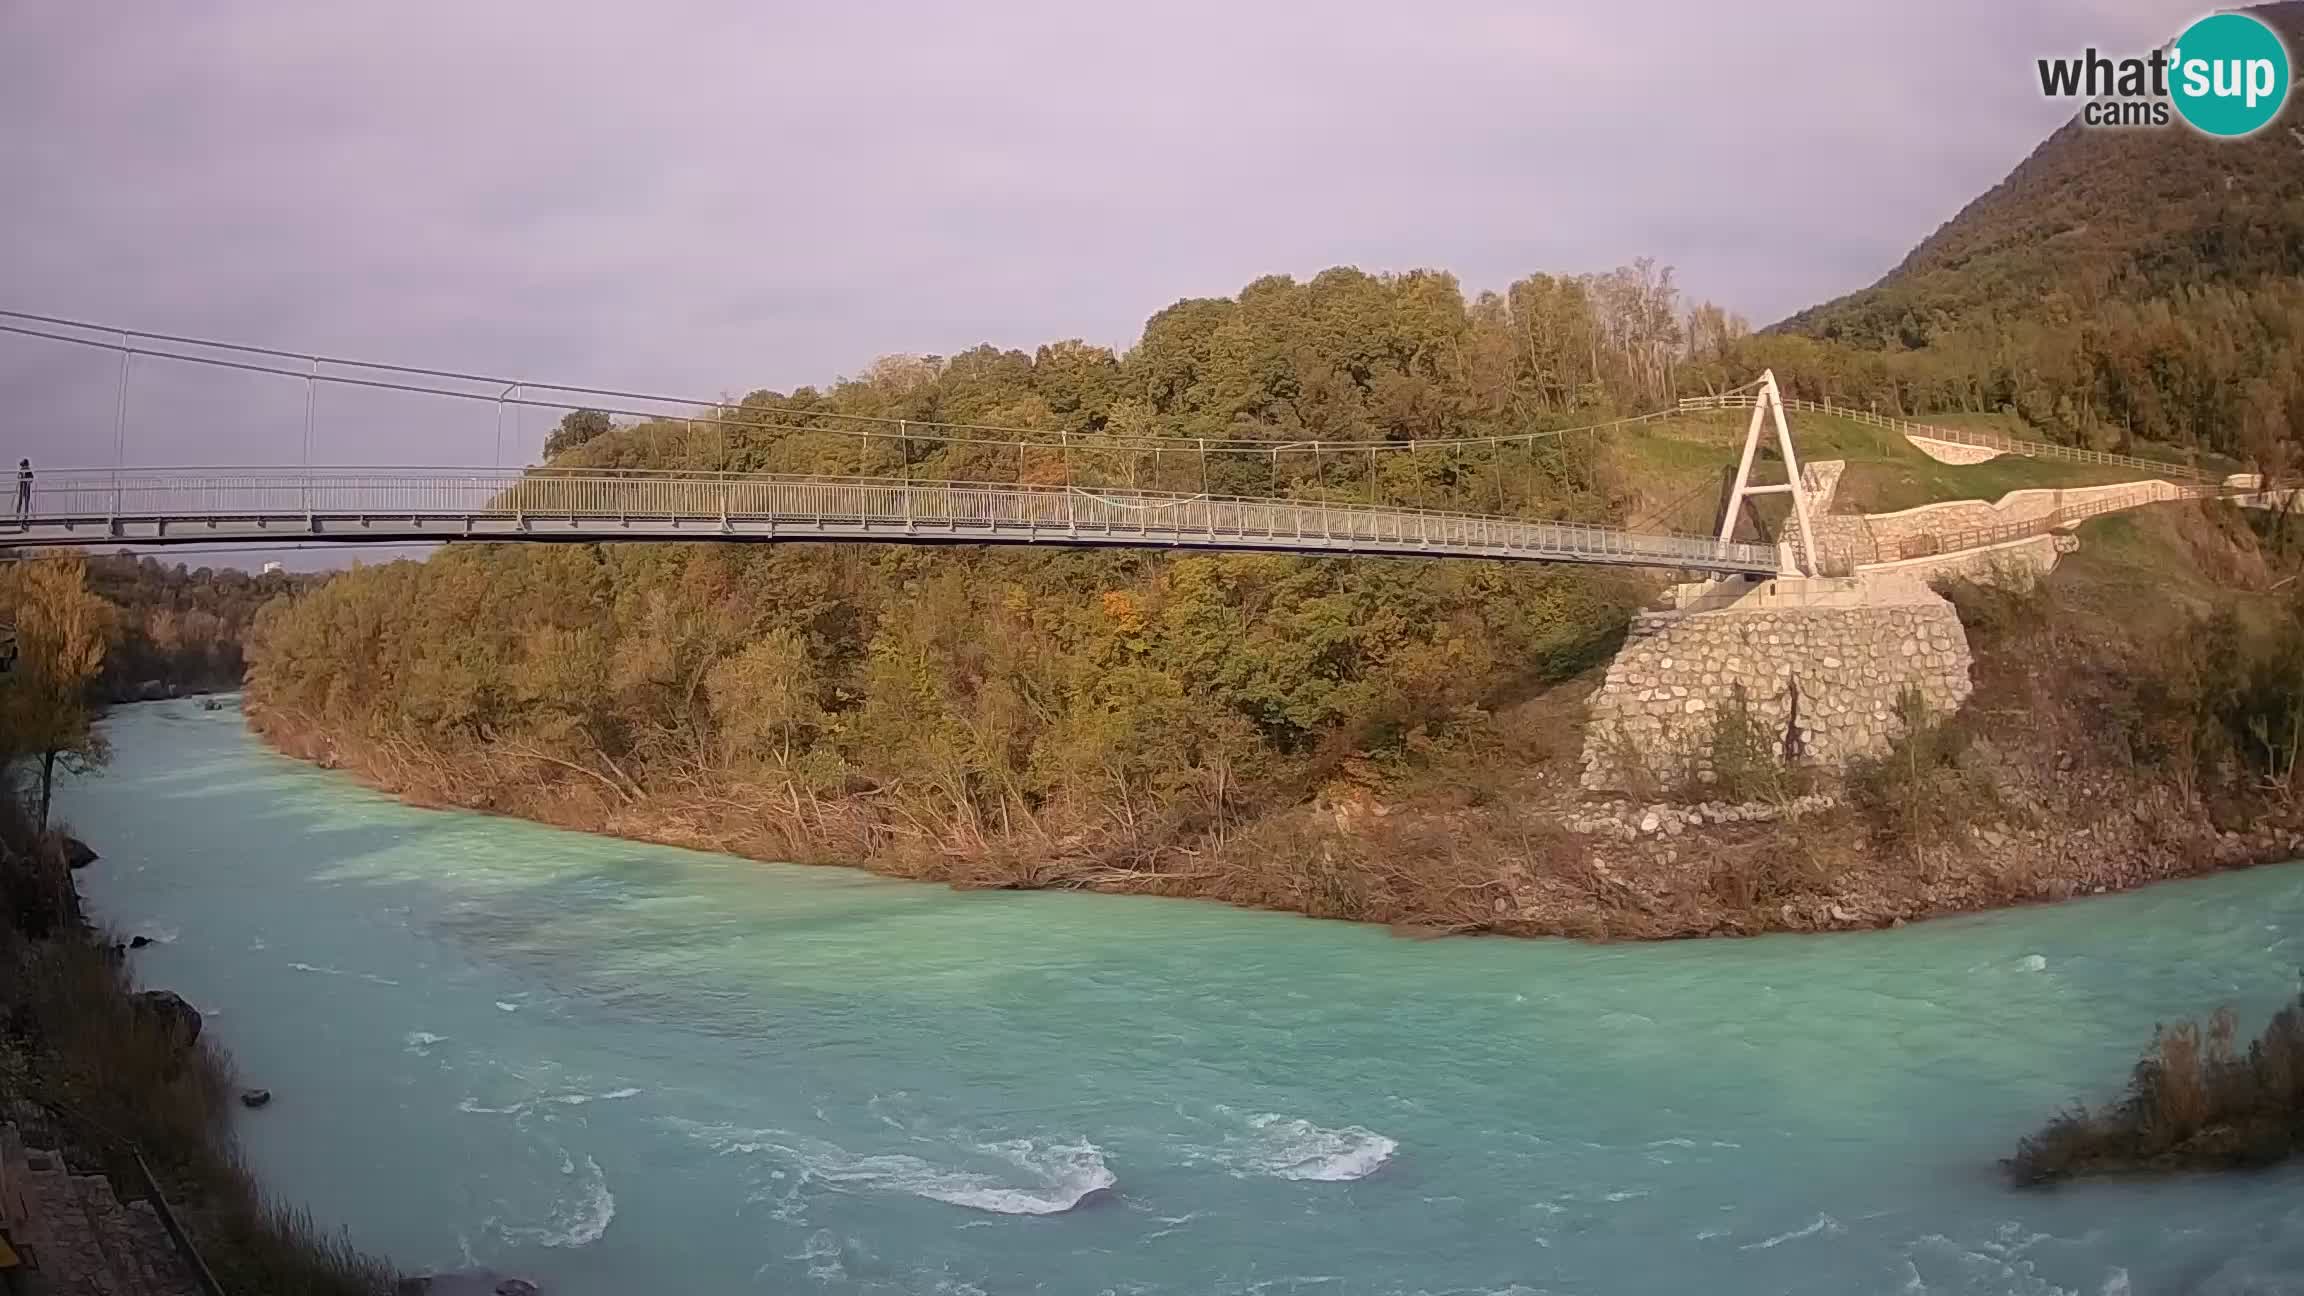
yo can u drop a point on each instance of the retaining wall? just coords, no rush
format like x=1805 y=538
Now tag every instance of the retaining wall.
x=2017 y=564
x=1823 y=679
x=1888 y=530
x=1953 y=452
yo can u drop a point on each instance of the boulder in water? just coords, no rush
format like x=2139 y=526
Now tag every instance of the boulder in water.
x=254 y=1098
x=139 y=942
x=517 y=1287
x=77 y=853
x=181 y=1019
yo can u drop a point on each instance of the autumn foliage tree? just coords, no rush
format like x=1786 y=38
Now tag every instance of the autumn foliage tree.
x=61 y=632
x=177 y=626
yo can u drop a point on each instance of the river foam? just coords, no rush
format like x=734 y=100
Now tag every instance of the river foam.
x=580 y=1099
x=1069 y=1174
x=1035 y=1176
x=581 y=1217
x=1055 y=1176
x=526 y=1105
x=320 y=970
x=1285 y=1147
x=1823 y=1225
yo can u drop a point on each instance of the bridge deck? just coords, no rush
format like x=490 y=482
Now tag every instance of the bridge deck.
x=257 y=506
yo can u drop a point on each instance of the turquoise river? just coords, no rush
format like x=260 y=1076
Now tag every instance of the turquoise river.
x=625 y=1068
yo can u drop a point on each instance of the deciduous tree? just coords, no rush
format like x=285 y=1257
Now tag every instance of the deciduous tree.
x=61 y=630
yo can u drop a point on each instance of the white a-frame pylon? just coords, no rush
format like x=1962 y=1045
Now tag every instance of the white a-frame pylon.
x=1797 y=548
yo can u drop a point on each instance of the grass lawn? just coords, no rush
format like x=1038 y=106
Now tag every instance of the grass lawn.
x=2158 y=566
x=1887 y=482
x=1669 y=474
x=2009 y=425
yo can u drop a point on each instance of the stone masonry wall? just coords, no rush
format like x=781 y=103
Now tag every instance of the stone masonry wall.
x=1846 y=538
x=1952 y=452
x=1830 y=675
x=1889 y=530
x=2018 y=564
x=1856 y=540
x=1821 y=480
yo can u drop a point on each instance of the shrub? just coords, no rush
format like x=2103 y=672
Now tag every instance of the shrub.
x=1746 y=757
x=2193 y=1103
x=2000 y=609
x=1919 y=792
x=1752 y=879
x=2220 y=704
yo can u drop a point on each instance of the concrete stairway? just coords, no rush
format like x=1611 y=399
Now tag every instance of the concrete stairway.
x=79 y=1238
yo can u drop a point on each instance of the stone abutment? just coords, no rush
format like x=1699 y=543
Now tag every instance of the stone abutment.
x=1819 y=665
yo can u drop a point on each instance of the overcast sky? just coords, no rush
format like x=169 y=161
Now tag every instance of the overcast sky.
x=729 y=194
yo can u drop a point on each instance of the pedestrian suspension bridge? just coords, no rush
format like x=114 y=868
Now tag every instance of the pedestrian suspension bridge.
x=876 y=480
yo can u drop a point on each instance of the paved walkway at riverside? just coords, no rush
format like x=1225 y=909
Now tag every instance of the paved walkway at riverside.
x=78 y=1237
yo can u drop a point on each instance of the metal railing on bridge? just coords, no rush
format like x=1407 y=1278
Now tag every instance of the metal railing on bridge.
x=263 y=504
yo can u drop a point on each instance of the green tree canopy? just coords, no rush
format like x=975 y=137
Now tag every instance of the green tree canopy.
x=577 y=427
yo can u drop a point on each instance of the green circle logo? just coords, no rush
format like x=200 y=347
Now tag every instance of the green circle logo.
x=2228 y=74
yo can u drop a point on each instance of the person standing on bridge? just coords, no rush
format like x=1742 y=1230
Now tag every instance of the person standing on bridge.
x=23 y=488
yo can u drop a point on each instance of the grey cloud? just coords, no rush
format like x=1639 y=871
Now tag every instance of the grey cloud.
x=722 y=195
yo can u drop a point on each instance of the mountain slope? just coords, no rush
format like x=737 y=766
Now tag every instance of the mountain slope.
x=2092 y=214
x=2120 y=284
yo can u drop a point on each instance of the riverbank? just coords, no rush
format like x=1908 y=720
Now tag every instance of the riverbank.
x=110 y=1078
x=2082 y=764
x=1460 y=861
x=2135 y=718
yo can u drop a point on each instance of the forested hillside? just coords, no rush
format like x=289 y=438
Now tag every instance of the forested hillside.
x=176 y=626
x=2119 y=284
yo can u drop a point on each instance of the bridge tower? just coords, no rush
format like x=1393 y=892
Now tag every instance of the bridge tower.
x=1798 y=548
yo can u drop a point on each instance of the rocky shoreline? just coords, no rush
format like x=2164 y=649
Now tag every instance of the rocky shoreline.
x=1626 y=821
x=174 y=1020
x=118 y=1080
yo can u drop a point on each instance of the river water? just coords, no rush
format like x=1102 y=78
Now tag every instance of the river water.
x=622 y=1068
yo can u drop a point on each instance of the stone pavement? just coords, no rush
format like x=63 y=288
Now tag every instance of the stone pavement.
x=79 y=1238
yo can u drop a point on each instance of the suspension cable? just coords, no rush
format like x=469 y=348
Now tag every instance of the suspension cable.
x=512 y=393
